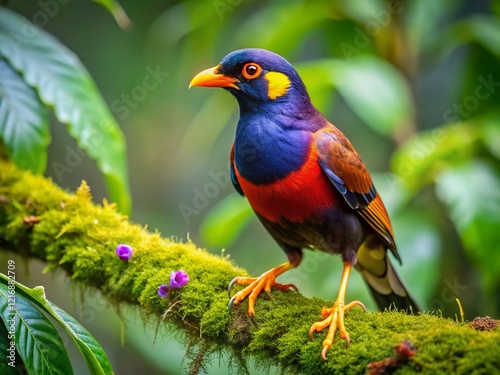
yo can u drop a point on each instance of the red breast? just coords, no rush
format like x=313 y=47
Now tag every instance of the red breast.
x=295 y=197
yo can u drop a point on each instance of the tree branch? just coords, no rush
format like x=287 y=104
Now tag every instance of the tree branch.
x=68 y=231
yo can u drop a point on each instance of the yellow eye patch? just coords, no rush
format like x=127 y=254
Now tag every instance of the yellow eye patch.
x=278 y=84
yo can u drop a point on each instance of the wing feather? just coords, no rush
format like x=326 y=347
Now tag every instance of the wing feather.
x=344 y=168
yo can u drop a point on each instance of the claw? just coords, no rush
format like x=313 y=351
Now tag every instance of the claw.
x=292 y=286
x=233 y=281
x=334 y=316
x=324 y=351
x=355 y=303
x=347 y=340
x=254 y=285
x=287 y=287
x=230 y=305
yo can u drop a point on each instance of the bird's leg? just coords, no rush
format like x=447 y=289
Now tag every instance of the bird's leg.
x=265 y=282
x=335 y=315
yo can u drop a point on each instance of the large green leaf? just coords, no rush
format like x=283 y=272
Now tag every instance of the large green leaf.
x=63 y=82
x=95 y=357
x=24 y=124
x=37 y=341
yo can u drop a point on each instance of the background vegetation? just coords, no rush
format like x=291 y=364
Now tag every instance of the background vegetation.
x=415 y=85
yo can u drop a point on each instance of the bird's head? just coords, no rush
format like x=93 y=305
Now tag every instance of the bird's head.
x=256 y=78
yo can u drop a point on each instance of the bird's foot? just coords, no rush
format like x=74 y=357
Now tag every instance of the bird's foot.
x=334 y=318
x=264 y=282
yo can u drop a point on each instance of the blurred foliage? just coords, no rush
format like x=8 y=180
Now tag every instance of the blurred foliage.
x=33 y=63
x=413 y=84
x=117 y=11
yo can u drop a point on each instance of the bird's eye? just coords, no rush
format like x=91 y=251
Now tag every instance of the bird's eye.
x=251 y=70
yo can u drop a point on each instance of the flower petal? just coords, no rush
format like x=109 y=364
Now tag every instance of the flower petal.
x=124 y=252
x=163 y=290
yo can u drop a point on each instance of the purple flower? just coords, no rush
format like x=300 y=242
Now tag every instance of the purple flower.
x=124 y=252
x=163 y=290
x=178 y=279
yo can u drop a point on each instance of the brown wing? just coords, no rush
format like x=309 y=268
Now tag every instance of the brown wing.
x=343 y=166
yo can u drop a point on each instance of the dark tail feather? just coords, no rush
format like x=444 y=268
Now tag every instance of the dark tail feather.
x=391 y=300
x=385 y=284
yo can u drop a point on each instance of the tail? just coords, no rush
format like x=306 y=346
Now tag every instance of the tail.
x=385 y=284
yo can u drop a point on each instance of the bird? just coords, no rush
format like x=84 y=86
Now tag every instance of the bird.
x=306 y=184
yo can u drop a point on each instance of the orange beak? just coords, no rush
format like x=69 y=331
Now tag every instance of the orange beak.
x=210 y=78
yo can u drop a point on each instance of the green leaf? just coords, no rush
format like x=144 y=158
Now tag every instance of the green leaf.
x=63 y=82
x=114 y=7
x=376 y=92
x=37 y=341
x=8 y=363
x=24 y=124
x=95 y=357
x=471 y=192
x=226 y=220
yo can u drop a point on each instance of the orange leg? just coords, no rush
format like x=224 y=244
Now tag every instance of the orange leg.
x=265 y=282
x=335 y=315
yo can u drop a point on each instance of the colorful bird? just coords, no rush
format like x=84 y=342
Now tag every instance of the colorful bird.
x=306 y=184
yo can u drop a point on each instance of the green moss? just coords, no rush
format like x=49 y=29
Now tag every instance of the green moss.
x=81 y=237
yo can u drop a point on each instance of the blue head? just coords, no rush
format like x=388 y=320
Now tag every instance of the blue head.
x=259 y=80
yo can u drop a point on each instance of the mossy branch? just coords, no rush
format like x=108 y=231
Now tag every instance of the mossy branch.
x=68 y=231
